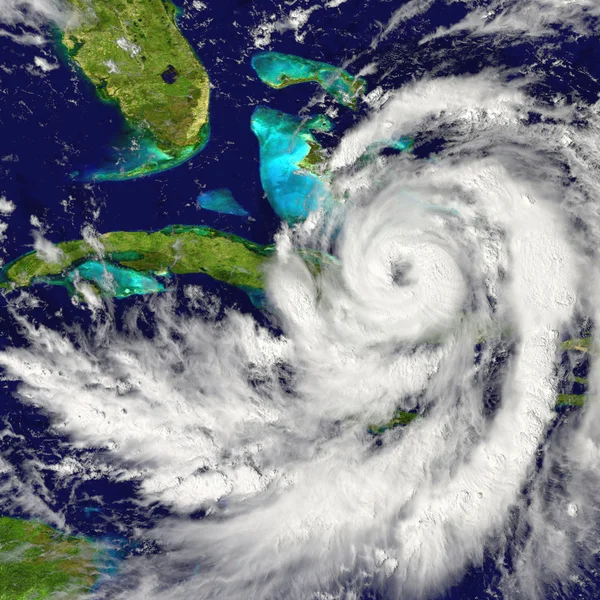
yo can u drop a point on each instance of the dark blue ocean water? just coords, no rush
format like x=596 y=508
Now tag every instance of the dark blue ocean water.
x=53 y=125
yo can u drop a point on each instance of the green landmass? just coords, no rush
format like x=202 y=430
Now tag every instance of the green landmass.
x=292 y=161
x=315 y=159
x=401 y=418
x=579 y=344
x=570 y=400
x=582 y=344
x=38 y=562
x=177 y=249
x=136 y=57
x=279 y=70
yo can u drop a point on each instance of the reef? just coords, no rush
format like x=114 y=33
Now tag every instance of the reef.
x=401 y=144
x=136 y=57
x=375 y=150
x=110 y=280
x=291 y=162
x=37 y=562
x=124 y=263
x=281 y=70
x=221 y=201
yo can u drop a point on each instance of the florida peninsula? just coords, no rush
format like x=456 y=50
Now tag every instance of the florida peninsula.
x=136 y=57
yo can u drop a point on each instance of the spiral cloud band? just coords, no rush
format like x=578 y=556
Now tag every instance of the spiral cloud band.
x=456 y=277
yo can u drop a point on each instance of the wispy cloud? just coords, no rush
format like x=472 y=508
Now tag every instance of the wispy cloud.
x=28 y=20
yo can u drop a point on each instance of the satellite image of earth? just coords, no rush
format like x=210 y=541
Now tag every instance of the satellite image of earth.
x=298 y=299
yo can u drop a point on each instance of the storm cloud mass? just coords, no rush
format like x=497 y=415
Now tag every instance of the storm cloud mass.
x=457 y=276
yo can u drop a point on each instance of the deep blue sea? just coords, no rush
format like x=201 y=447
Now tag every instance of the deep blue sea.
x=53 y=125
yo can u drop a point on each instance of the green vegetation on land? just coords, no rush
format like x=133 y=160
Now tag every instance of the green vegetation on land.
x=136 y=57
x=570 y=400
x=280 y=70
x=292 y=162
x=38 y=562
x=400 y=419
x=177 y=249
x=580 y=344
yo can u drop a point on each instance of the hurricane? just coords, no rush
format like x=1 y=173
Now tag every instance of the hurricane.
x=449 y=279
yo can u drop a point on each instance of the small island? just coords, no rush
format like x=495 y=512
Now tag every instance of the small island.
x=401 y=418
x=136 y=57
x=570 y=400
x=37 y=561
x=578 y=345
x=280 y=70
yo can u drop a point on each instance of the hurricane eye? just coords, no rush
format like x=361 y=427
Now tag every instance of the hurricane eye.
x=400 y=273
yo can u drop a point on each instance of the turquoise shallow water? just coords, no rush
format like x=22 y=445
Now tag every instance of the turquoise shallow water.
x=280 y=70
x=118 y=282
x=135 y=156
x=287 y=172
x=221 y=201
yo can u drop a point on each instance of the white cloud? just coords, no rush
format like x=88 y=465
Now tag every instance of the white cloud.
x=532 y=19
x=295 y=21
x=6 y=209
x=34 y=15
x=6 y=206
x=267 y=432
x=46 y=249
x=44 y=65
x=129 y=47
x=293 y=479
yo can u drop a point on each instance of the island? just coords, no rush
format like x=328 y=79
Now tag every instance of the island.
x=570 y=400
x=292 y=162
x=37 y=561
x=124 y=263
x=579 y=345
x=137 y=59
x=400 y=418
x=279 y=70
